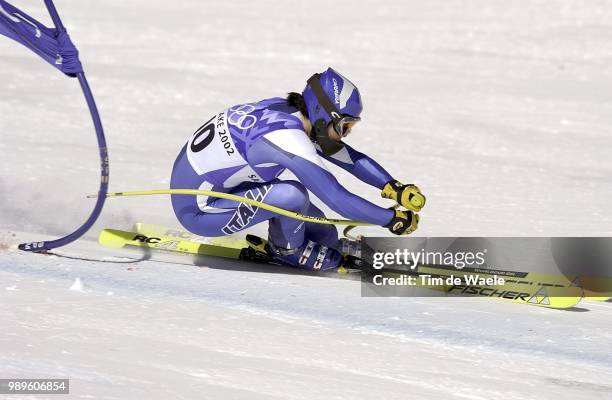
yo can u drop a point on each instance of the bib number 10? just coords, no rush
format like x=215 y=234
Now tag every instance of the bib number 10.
x=204 y=136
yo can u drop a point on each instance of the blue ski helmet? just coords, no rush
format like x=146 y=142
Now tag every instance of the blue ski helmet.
x=343 y=97
x=331 y=98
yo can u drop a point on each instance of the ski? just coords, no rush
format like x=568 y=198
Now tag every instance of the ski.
x=253 y=249
x=531 y=278
x=114 y=238
x=525 y=291
x=545 y=280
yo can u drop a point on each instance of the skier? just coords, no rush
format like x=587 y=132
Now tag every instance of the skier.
x=244 y=149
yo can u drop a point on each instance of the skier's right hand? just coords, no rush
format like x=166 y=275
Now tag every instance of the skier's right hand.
x=404 y=222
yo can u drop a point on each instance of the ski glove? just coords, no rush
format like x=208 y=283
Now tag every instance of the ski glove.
x=408 y=196
x=404 y=222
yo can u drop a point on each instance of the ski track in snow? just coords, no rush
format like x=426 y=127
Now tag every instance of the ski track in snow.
x=238 y=334
x=501 y=111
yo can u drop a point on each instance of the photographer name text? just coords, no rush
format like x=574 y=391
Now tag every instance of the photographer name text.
x=429 y=280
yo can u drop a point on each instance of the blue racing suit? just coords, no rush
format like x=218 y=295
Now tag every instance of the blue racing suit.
x=243 y=150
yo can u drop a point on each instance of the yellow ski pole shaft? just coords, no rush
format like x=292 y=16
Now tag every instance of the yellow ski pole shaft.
x=240 y=199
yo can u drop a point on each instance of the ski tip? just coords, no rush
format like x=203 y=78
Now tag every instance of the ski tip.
x=111 y=238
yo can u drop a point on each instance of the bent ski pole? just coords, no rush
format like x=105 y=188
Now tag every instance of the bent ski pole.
x=229 y=196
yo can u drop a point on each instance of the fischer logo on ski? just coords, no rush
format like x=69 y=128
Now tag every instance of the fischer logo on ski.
x=490 y=292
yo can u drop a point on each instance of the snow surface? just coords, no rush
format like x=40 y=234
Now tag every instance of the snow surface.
x=500 y=111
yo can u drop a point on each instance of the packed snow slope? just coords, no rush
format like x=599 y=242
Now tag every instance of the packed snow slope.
x=129 y=330
x=500 y=111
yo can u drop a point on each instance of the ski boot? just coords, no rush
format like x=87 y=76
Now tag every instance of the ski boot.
x=258 y=250
x=311 y=255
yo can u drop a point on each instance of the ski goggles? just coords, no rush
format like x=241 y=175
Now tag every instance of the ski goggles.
x=344 y=124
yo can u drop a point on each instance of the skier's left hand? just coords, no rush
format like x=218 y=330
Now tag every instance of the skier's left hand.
x=408 y=196
x=404 y=222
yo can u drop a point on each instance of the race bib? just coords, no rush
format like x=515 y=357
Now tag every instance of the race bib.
x=211 y=147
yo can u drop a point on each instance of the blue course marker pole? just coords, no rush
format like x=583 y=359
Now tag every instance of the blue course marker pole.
x=55 y=47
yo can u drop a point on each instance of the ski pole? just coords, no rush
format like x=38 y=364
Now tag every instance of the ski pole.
x=240 y=199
